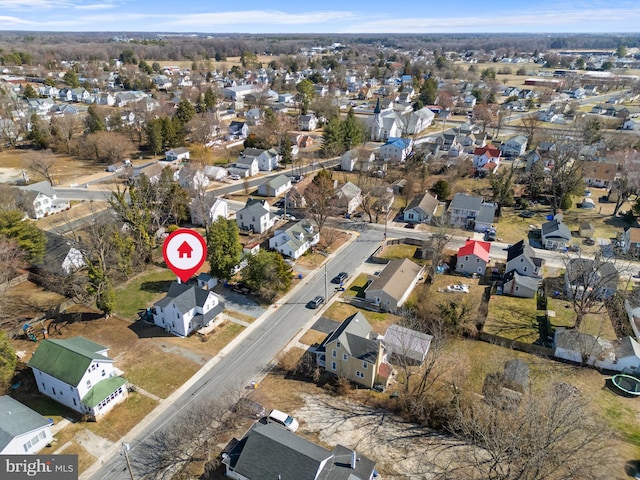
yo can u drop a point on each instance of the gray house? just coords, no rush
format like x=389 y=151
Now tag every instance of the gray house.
x=517 y=285
x=255 y=216
x=472 y=212
x=391 y=288
x=22 y=430
x=521 y=259
x=555 y=235
x=275 y=186
x=421 y=209
x=405 y=345
x=586 y=277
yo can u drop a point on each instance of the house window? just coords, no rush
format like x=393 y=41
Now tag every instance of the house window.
x=88 y=383
x=359 y=374
x=466 y=258
x=333 y=365
x=517 y=288
x=74 y=402
x=334 y=354
x=345 y=357
x=525 y=269
x=338 y=344
x=103 y=373
x=365 y=365
x=53 y=390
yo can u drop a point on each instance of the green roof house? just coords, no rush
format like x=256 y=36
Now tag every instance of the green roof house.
x=78 y=374
x=21 y=429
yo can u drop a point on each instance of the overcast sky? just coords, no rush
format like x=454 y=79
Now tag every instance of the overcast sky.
x=328 y=16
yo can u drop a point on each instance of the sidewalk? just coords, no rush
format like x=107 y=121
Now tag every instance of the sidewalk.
x=167 y=402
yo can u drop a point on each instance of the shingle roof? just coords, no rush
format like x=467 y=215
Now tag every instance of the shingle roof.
x=185 y=296
x=396 y=277
x=556 y=229
x=465 y=201
x=425 y=202
x=404 y=341
x=355 y=326
x=17 y=419
x=521 y=248
x=67 y=360
x=477 y=248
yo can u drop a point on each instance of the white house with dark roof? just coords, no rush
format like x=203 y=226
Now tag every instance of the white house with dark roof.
x=275 y=186
x=62 y=256
x=407 y=346
x=268 y=451
x=472 y=212
x=255 y=216
x=515 y=146
x=421 y=209
x=22 y=430
x=307 y=123
x=245 y=166
x=294 y=239
x=207 y=208
x=348 y=197
x=522 y=286
x=40 y=200
x=187 y=308
x=77 y=373
x=179 y=154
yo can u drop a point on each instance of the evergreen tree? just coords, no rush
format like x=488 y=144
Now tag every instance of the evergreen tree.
x=352 y=131
x=286 y=153
x=94 y=121
x=28 y=237
x=224 y=250
x=71 y=78
x=30 y=92
x=39 y=134
x=267 y=273
x=185 y=111
x=428 y=91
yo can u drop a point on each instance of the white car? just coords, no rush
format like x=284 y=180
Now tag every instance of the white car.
x=234 y=176
x=284 y=420
x=459 y=288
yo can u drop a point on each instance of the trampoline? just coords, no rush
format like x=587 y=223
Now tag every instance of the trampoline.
x=627 y=383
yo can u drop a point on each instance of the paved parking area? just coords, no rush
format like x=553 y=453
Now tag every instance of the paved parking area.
x=325 y=325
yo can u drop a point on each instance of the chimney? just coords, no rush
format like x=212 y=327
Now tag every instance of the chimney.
x=353 y=460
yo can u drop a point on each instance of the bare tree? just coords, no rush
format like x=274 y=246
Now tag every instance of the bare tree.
x=627 y=182
x=434 y=245
x=531 y=126
x=566 y=174
x=547 y=436
x=42 y=163
x=319 y=195
x=63 y=129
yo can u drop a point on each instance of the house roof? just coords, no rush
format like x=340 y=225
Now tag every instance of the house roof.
x=298 y=233
x=465 y=201
x=67 y=360
x=580 y=271
x=627 y=347
x=555 y=229
x=515 y=370
x=278 y=181
x=185 y=296
x=353 y=333
x=570 y=339
x=599 y=171
x=477 y=248
x=348 y=191
x=634 y=235
x=17 y=419
x=254 y=207
x=407 y=342
x=400 y=143
x=396 y=278
x=102 y=390
x=487 y=150
x=425 y=202
x=521 y=248
x=56 y=251
x=43 y=187
x=531 y=283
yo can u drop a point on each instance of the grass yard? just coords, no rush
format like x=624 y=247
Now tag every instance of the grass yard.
x=598 y=324
x=123 y=417
x=142 y=291
x=400 y=251
x=221 y=336
x=85 y=459
x=513 y=318
x=312 y=337
x=379 y=321
x=356 y=287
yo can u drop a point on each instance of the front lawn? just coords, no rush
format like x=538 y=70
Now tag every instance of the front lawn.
x=513 y=318
x=142 y=291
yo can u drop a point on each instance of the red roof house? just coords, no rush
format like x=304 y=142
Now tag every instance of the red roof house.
x=486 y=154
x=473 y=257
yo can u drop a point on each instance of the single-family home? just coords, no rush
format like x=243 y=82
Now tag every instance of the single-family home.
x=22 y=430
x=589 y=278
x=473 y=257
x=179 y=154
x=522 y=286
x=206 y=209
x=307 y=123
x=555 y=235
x=353 y=351
x=40 y=200
x=187 y=308
x=268 y=451
x=238 y=130
x=621 y=355
x=357 y=159
x=348 y=197
x=406 y=346
x=267 y=159
x=631 y=124
x=62 y=256
x=486 y=158
x=215 y=173
x=193 y=178
x=275 y=186
x=77 y=373
x=521 y=258
x=515 y=146
x=421 y=209
x=396 y=150
x=631 y=241
x=294 y=239
x=296 y=196
x=599 y=174
x=392 y=286
x=244 y=166
x=256 y=216
x=254 y=116
x=471 y=212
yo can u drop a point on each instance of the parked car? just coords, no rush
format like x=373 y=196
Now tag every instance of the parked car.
x=527 y=214
x=284 y=420
x=340 y=278
x=458 y=288
x=234 y=176
x=316 y=302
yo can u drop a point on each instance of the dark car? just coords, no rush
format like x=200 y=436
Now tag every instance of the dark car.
x=526 y=214
x=340 y=278
x=410 y=225
x=316 y=302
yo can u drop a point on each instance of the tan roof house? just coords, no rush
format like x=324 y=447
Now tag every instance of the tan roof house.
x=391 y=288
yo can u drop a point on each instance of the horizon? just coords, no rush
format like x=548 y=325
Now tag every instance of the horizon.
x=543 y=17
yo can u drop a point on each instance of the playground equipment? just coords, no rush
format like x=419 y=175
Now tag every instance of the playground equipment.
x=28 y=331
x=627 y=383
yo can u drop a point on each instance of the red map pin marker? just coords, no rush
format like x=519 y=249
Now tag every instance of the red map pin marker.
x=184 y=252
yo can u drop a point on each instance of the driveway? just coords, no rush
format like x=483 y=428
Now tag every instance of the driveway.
x=239 y=303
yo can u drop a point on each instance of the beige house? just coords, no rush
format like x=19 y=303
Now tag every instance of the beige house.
x=353 y=351
x=391 y=288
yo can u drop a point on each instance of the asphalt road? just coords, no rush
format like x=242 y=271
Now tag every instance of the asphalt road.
x=254 y=353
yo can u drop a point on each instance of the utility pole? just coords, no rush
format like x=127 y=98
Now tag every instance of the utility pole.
x=125 y=451
x=326 y=285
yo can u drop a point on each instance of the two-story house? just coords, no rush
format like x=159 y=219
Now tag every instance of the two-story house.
x=268 y=160
x=77 y=373
x=486 y=158
x=348 y=197
x=206 y=209
x=515 y=146
x=294 y=239
x=357 y=159
x=192 y=178
x=187 y=308
x=40 y=200
x=179 y=154
x=522 y=259
x=244 y=166
x=255 y=216
x=22 y=430
x=472 y=212
x=396 y=150
x=307 y=123
x=588 y=278
x=390 y=289
x=555 y=235
x=421 y=209
x=473 y=257
x=238 y=130
x=354 y=352
x=631 y=241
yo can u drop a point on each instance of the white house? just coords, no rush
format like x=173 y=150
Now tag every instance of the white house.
x=255 y=216
x=187 y=308
x=215 y=173
x=396 y=149
x=193 y=178
x=421 y=209
x=487 y=158
x=521 y=259
x=244 y=166
x=348 y=197
x=22 y=430
x=78 y=374
x=177 y=154
x=40 y=200
x=208 y=208
x=469 y=211
x=308 y=122
x=473 y=257
x=275 y=186
x=555 y=235
x=357 y=159
x=294 y=239
x=515 y=146
x=619 y=355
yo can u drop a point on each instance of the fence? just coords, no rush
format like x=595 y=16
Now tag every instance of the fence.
x=516 y=345
x=374 y=258
x=14 y=281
